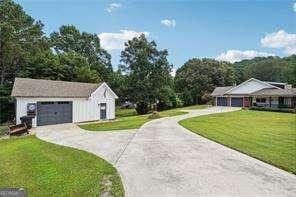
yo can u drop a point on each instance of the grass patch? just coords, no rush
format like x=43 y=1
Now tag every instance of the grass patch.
x=46 y=169
x=126 y=119
x=268 y=136
x=194 y=107
x=129 y=122
x=125 y=112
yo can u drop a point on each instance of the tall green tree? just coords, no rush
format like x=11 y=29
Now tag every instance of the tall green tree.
x=148 y=71
x=75 y=67
x=262 y=68
x=69 y=39
x=21 y=39
x=198 y=77
x=290 y=72
x=119 y=84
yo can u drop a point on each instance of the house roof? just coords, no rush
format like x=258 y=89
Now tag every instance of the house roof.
x=275 y=92
x=26 y=87
x=219 y=91
x=251 y=79
x=267 y=90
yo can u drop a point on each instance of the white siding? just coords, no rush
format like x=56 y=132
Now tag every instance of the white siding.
x=249 y=87
x=83 y=109
x=21 y=106
x=104 y=95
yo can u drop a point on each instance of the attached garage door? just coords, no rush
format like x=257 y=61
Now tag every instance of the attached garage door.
x=236 y=102
x=221 y=101
x=54 y=112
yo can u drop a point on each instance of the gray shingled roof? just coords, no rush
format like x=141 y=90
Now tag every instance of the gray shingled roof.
x=26 y=87
x=219 y=91
x=275 y=92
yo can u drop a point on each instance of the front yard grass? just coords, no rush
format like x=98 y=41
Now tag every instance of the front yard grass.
x=46 y=169
x=128 y=119
x=268 y=136
x=122 y=123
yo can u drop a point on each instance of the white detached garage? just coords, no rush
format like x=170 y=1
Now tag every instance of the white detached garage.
x=56 y=102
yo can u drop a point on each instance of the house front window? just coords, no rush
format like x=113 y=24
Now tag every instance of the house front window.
x=260 y=100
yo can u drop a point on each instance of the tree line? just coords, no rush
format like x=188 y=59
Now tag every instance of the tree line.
x=142 y=77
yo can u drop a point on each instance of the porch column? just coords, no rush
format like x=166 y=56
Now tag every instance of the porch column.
x=270 y=101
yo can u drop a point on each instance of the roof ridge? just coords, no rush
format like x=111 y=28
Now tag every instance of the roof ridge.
x=27 y=78
x=28 y=87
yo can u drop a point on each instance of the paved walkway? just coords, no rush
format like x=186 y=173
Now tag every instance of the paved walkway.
x=106 y=144
x=164 y=159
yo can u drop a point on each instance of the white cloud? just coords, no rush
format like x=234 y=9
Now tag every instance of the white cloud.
x=115 y=41
x=113 y=6
x=290 y=50
x=280 y=39
x=168 y=22
x=237 y=55
x=294 y=7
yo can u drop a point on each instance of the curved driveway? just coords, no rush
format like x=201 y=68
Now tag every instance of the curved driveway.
x=164 y=159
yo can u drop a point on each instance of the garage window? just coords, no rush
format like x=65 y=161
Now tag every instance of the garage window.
x=63 y=102
x=47 y=103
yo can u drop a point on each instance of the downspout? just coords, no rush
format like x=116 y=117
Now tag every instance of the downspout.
x=270 y=101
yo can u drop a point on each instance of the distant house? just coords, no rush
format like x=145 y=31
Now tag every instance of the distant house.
x=254 y=92
x=54 y=102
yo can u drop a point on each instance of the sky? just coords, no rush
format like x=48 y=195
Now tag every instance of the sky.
x=225 y=30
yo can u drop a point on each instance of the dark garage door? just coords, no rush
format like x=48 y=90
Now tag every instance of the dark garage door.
x=54 y=112
x=236 y=102
x=221 y=101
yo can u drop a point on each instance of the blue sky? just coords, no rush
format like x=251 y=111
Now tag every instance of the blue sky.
x=226 y=30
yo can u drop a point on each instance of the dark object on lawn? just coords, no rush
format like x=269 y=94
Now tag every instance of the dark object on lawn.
x=27 y=120
x=127 y=105
x=18 y=129
x=154 y=115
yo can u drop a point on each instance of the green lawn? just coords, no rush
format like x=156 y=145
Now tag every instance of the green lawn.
x=127 y=119
x=268 y=136
x=129 y=122
x=125 y=112
x=46 y=169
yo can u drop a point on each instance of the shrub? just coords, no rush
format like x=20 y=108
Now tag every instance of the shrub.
x=179 y=102
x=285 y=110
x=142 y=108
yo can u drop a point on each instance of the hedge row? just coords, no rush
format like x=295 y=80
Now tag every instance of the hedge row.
x=285 y=110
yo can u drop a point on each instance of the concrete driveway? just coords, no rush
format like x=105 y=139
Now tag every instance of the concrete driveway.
x=164 y=159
